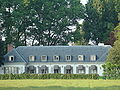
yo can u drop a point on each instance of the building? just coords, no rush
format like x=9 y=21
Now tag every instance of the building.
x=55 y=59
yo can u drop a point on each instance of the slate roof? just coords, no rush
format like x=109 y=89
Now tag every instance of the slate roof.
x=22 y=53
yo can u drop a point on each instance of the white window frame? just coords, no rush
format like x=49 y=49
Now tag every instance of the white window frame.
x=80 y=57
x=10 y=58
x=43 y=59
x=56 y=56
x=69 y=58
x=31 y=59
x=93 y=57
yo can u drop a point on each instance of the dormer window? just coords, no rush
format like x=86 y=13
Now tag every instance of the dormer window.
x=80 y=57
x=56 y=58
x=68 y=58
x=93 y=57
x=31 y=58
x=43 y=58
x=11 y=58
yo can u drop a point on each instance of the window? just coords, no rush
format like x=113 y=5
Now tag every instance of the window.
x=68 y=71
x=56 y=58
x=8 y=70
x=11 y=58
x=43 y=71
x=31 y=58
x=56 y=70
x=68 y=58
x=93 y=57
x=80 y=57
x=44 y=58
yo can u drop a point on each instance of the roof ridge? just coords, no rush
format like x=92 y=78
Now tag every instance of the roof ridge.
x=103 y=54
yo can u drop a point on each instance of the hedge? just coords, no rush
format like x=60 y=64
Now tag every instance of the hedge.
x=48 y=76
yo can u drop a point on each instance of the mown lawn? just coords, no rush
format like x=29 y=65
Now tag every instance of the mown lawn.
x=53 y=84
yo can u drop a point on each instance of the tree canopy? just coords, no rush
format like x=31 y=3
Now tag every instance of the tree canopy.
x=101 y=18
x=41 y=22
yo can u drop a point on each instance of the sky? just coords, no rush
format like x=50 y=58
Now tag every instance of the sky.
x=83 y=1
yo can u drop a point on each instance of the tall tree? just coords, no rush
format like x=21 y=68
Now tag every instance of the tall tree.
x=2 y=51
x=51 y=20
x=41 y=22
x=15 y=22
x=112 y=65
x=101 y=18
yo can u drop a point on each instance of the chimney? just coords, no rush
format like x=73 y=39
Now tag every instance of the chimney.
x=10 y=47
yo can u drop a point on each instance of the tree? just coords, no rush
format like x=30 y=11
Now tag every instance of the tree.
x=101 y=18
x=40 y=22
x=79 y=35
x=2 y=51
x=51 y=20
x=114 y=54
x=112 y=65
x=14 y=21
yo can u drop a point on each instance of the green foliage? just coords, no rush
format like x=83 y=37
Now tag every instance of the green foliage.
x=112 y=65
x=2 y=51
x=117 y=31
x=44 y=22
x=79 y=36
x=101 y=18
x=111 y=71
x=114 y=53
x=48 y=76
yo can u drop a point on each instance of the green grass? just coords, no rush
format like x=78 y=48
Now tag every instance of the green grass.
x=53 y=84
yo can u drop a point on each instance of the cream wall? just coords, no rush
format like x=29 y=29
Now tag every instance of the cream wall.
x=51 y=66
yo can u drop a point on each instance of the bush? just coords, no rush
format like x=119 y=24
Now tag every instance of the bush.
x=48 y=76
x=111 y=71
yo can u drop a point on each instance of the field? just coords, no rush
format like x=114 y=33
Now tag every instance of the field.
x=53 y=84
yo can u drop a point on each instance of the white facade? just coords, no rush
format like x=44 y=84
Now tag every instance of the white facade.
x=62 y=65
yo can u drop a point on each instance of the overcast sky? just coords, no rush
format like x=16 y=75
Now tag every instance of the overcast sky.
x=83 y=1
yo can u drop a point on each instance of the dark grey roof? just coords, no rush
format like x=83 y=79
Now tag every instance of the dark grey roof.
x=22 y=53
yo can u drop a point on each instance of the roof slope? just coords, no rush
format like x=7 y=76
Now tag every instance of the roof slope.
x=23 y=52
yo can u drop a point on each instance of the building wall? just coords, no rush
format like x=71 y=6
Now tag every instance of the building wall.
x=50 y=66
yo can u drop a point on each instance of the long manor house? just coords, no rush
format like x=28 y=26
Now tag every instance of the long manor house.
x=55 y=59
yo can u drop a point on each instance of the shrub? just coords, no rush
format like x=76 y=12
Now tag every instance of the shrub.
x=48 y=76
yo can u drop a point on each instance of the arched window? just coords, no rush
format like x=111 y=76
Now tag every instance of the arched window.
x=56 y=69
x=68 y=69
x=93 y=69
x=43 y=69
x=80 y=69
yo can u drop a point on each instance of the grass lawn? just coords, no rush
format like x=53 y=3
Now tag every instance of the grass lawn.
x=53 y=84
